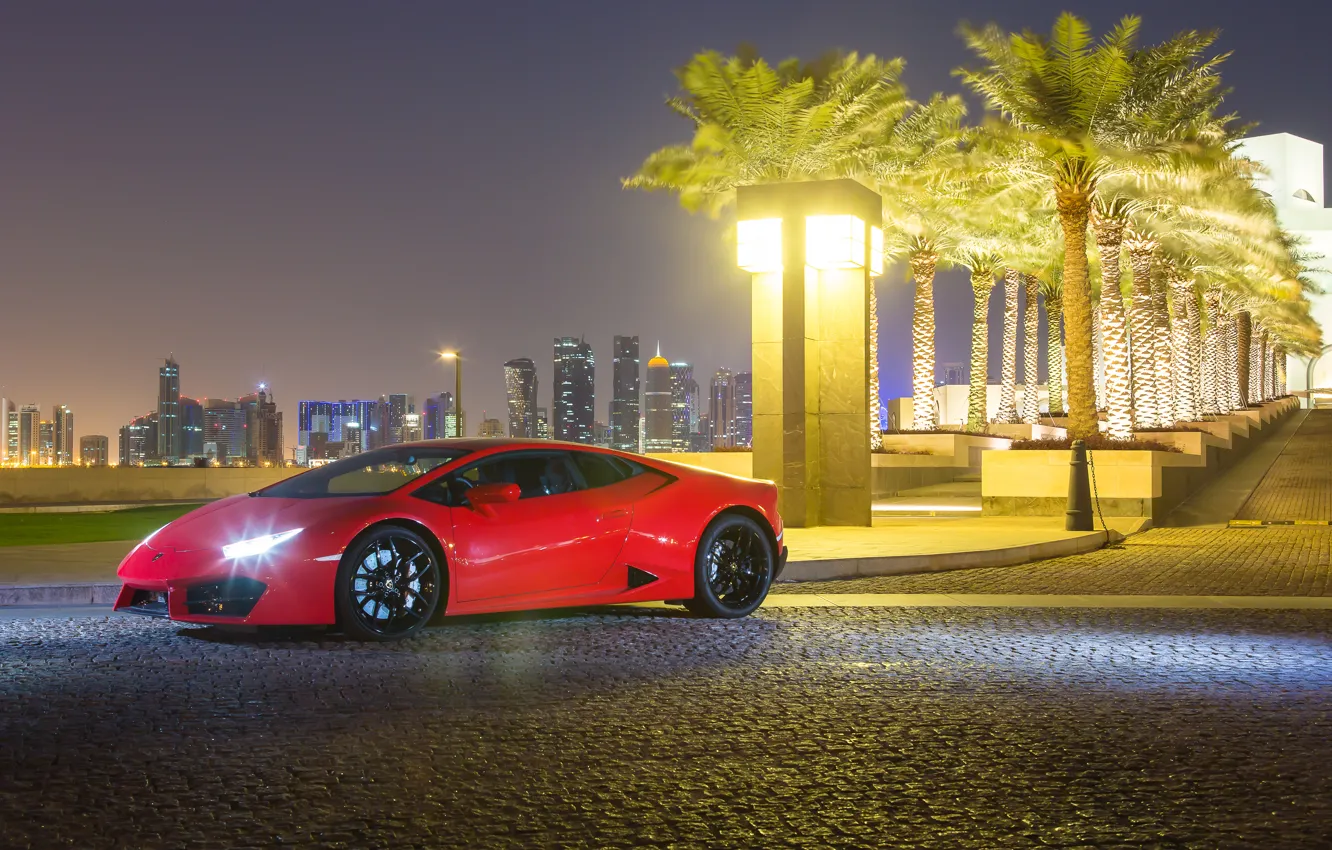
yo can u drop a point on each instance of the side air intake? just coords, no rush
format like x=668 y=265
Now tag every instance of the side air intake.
x=638 y=578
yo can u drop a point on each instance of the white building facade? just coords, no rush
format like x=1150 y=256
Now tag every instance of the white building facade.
x=1295 y=182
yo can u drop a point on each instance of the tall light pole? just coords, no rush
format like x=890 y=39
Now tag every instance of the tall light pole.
x=457 y=389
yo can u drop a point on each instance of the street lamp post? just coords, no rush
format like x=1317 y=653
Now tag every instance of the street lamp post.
x=457 y=389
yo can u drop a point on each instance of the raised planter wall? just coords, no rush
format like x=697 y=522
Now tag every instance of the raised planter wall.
x=1127 y=483
x=128 y=484
x=952 y=455
x=731 y=463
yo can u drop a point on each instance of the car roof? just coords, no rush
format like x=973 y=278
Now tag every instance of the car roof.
x=479 y=443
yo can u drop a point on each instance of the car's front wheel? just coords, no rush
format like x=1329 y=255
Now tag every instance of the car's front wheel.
x=388 y=585
x=733 y=568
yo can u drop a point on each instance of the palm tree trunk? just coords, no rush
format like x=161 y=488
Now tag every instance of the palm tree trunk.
x=1195 y=349
x=1146 y=413
x=1212 y=403
x=1264 y=373
x=1008 y=387
x=1280 y=371
x=982 y=284
x=875 y=403
x=1098 y=356
x=1161 y=375
x=1074 y=209
x=923 y=264
x=1054 y=354
x=1114 y=326
x=1232 y=398
x=1031 y=407
x=1243 y=344
x=1181 y=349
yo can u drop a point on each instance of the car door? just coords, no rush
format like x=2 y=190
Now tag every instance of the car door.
x=553 y=537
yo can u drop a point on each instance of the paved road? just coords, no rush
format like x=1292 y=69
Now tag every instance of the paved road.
x=945 y=728
x=1299 y=484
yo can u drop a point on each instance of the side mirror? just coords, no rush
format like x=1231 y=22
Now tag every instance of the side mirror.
x=493 y=494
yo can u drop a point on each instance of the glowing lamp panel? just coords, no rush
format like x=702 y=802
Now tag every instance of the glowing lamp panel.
x=759 y=245
x=834 y=242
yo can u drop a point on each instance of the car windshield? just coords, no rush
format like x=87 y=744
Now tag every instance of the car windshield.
x=370 y=474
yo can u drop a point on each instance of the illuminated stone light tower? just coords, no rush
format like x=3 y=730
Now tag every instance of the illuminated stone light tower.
x=813 y=249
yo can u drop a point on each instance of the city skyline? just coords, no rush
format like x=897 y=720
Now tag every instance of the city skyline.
x=330 y=168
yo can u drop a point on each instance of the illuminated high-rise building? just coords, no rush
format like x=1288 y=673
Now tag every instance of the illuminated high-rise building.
x=62 y=436
x=313 y=417
x=574 y=390
x=29 y=435
x=658 y=419
x=94 y=450
x=625 y=392
x=393 y=409
x=542 y=424
x=721 y=410
x=412 y=430
x=168 y=411
x=684 y=405
x=263 y=429
x=138 y=440
x=744 y=409
x=520 y=388
x=490 y=428
x=191 y=427
x=9 y=448
x=223 y=431
x=46 y=444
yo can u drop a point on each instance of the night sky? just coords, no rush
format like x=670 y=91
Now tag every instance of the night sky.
x=319 y=195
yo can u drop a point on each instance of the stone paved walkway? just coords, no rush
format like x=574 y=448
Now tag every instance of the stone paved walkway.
x=1271 y=561
x=1299 y=484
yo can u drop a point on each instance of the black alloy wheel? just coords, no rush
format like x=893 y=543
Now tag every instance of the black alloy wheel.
x=733 y=568
x=388 y=585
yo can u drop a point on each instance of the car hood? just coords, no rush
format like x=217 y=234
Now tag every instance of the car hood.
x=243 y=517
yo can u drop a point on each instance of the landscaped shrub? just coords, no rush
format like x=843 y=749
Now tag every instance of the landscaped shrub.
x=1098 y=443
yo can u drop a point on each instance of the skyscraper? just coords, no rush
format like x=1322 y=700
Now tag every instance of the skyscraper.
x=721 y=409
x=744 y=409
x=138 y=440
x=684 y=405
x=490 y=428
x=9 y=450
x=313 y=417
x=29 y=435
x=394 y=408
x=223 y=431
x=168 y=411
x=412 y=430
x=542 y=424
x=46 y=444
x=520 y=386
x=361 y=415
x=94 y=450
x=574 y=390
x=191 y=427
x=658 y=420
x=263 y=429
x=624 y=409
x=62 y=436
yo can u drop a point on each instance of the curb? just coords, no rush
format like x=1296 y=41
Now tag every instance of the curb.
x=1262 y=523
x=85 y=593
x=842 y=568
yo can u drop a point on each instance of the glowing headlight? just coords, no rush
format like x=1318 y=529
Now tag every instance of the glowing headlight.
x=257 y=545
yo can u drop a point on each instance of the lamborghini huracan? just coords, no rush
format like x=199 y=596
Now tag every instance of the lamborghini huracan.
x=383 y=543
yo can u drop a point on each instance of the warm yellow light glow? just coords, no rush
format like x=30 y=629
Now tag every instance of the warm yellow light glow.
x=447 y=355
x=835 y=242
x=759 y=245
x=876 y=251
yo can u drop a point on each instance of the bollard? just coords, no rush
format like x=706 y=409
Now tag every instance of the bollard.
x=1078 y=517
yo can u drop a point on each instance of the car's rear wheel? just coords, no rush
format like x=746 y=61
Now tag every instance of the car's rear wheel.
x=733 y=568
x=388 y=585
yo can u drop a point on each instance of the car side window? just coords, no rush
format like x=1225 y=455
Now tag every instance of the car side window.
x=536 y=474
x=599 y=470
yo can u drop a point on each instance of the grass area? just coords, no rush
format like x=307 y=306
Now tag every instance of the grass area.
x=40 y=529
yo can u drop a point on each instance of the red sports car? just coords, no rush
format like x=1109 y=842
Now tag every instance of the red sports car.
x=381 y=543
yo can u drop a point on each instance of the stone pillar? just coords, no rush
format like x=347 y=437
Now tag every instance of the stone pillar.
x=810 y=345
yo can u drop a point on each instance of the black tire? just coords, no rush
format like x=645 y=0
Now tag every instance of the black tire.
x=388 y=586
x=733 y=568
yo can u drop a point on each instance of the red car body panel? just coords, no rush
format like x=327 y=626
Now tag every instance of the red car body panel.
x=560 y=550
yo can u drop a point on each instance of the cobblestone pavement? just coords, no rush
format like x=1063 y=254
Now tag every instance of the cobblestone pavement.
x=936 y=728
x=1270 y=561
x=1299 y=484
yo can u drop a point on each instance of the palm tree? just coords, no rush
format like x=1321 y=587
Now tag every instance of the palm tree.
x=1008 y=385
x=1082 y=107
x=1109 y=224
x=1051 y=286
x=983 y=264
